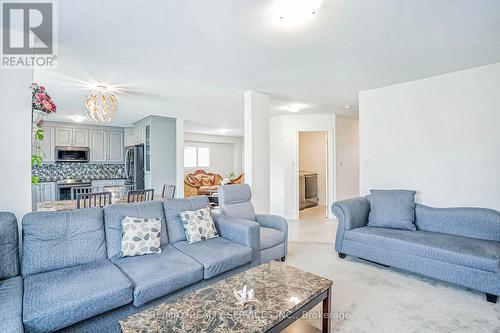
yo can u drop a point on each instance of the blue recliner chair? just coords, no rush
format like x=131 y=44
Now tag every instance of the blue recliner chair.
x=235 y=201
x=11 y=283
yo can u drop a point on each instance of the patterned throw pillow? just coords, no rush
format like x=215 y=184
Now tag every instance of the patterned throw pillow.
x=198 y=225
x=140 y=236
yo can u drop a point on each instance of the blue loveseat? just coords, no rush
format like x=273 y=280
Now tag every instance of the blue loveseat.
x=456 y=245
x=74 y=280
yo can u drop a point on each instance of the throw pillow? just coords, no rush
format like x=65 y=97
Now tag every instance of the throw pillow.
x=198 y=225
x=140 y=236
x=393 y=209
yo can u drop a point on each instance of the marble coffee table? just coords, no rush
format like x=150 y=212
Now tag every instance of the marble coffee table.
x=284 y=294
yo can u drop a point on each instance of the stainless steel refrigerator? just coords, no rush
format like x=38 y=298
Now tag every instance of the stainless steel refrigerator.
x=134 y=166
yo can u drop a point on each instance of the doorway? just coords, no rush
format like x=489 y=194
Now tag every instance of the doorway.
x=313 y=174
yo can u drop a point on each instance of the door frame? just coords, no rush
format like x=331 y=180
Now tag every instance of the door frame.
x=330 y=170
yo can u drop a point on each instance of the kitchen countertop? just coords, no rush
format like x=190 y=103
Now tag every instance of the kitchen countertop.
x=52 y=206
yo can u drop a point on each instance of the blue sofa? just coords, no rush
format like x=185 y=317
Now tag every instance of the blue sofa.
x=11 y=283
x=74 y=280
x=456 y=245
x=235 y=201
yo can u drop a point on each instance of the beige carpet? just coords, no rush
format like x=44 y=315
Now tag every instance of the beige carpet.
x=378 y=299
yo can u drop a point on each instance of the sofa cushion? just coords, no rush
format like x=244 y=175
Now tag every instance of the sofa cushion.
x=172 y=209
x=157 y=275
x=55 y=240
x=114 y=214
x=57 y=299
x=479 y=223
x=11 y=300
x=217 y=255
x=9 y=257
x=270 y=237
x=392 y=209
x=469 y=252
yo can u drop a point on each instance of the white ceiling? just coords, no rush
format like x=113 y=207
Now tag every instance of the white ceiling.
x=195 y=58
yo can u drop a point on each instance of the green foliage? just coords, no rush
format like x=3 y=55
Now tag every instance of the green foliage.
x=36 y=160
x=34 y=180
x=39 y=134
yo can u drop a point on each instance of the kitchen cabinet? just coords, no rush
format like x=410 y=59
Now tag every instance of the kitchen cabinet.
x=148 y=180
x=115 y=147
x=129 y=137
x=44 y=192
x=97 y=146
x=147 y=148
x=106 y=146
x=67 y=136
x=140 y=133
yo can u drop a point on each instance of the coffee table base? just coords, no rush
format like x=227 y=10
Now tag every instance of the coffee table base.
x=326 y=322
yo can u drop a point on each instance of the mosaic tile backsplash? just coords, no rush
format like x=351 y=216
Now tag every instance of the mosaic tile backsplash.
x=60 y=171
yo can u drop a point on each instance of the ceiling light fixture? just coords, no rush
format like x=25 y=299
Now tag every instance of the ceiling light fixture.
x=294 y=108
x=294 y=12
x=223 y=131
x=77 y=119
x=347 y=106
x=101 y=104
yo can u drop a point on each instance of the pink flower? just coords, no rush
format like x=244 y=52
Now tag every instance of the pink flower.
x=40 y=123
x=42 y=88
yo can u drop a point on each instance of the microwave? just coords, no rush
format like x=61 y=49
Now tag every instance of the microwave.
x=72 y=154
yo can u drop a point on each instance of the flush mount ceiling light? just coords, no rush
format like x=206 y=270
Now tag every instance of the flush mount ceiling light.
x=101 y=104
x=294 y=108
x=77 y=119
x=223 y=131
x=348 y=106
x=294 y=12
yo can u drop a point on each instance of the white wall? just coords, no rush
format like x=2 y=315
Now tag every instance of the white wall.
x=284 y=159
x=164 y=152
x=256 y=148
x=346 y=158
x=313 y=156
x=439 y=136
x=226 y=154
x=15 y=135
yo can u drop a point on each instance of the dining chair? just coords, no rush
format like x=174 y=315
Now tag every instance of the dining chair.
x=118 y=190
x=85 y=190
x=168 y=191
x=140 y=195
x=95 y=199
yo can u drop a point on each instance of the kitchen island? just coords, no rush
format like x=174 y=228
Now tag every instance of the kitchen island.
x=53 y=206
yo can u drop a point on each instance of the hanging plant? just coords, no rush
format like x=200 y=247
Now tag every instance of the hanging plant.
x=42 y=105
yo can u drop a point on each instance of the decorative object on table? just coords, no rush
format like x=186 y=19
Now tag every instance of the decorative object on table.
x=244 y=296
x=140 y=236
x=198 y=225
x=41 y=106
x=101 y=105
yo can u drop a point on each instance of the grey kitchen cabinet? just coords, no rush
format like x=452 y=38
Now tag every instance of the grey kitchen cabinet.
x=115 y=146
x=101 y=183
x=67 y=136
x=44 y=192
x=106 y=146
x=97 y=146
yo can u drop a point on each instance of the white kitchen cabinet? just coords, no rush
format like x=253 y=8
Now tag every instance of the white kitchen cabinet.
x=148 y=180
x=140 y=133
x=80 y=137
x=115 y=147
x=97 y=146
x=64 y=136
x=67 y=136
x=44 y=192
x=129 y=137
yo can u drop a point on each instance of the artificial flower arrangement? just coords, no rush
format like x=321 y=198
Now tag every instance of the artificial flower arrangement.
x=41 y=102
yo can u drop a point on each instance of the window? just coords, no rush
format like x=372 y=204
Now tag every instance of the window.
x=196 y=157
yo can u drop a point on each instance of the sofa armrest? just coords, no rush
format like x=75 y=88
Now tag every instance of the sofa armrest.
x=272 y=221
x=240 y=231
x=352 y=213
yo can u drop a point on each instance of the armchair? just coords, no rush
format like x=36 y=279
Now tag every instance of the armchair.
x=235 y=201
